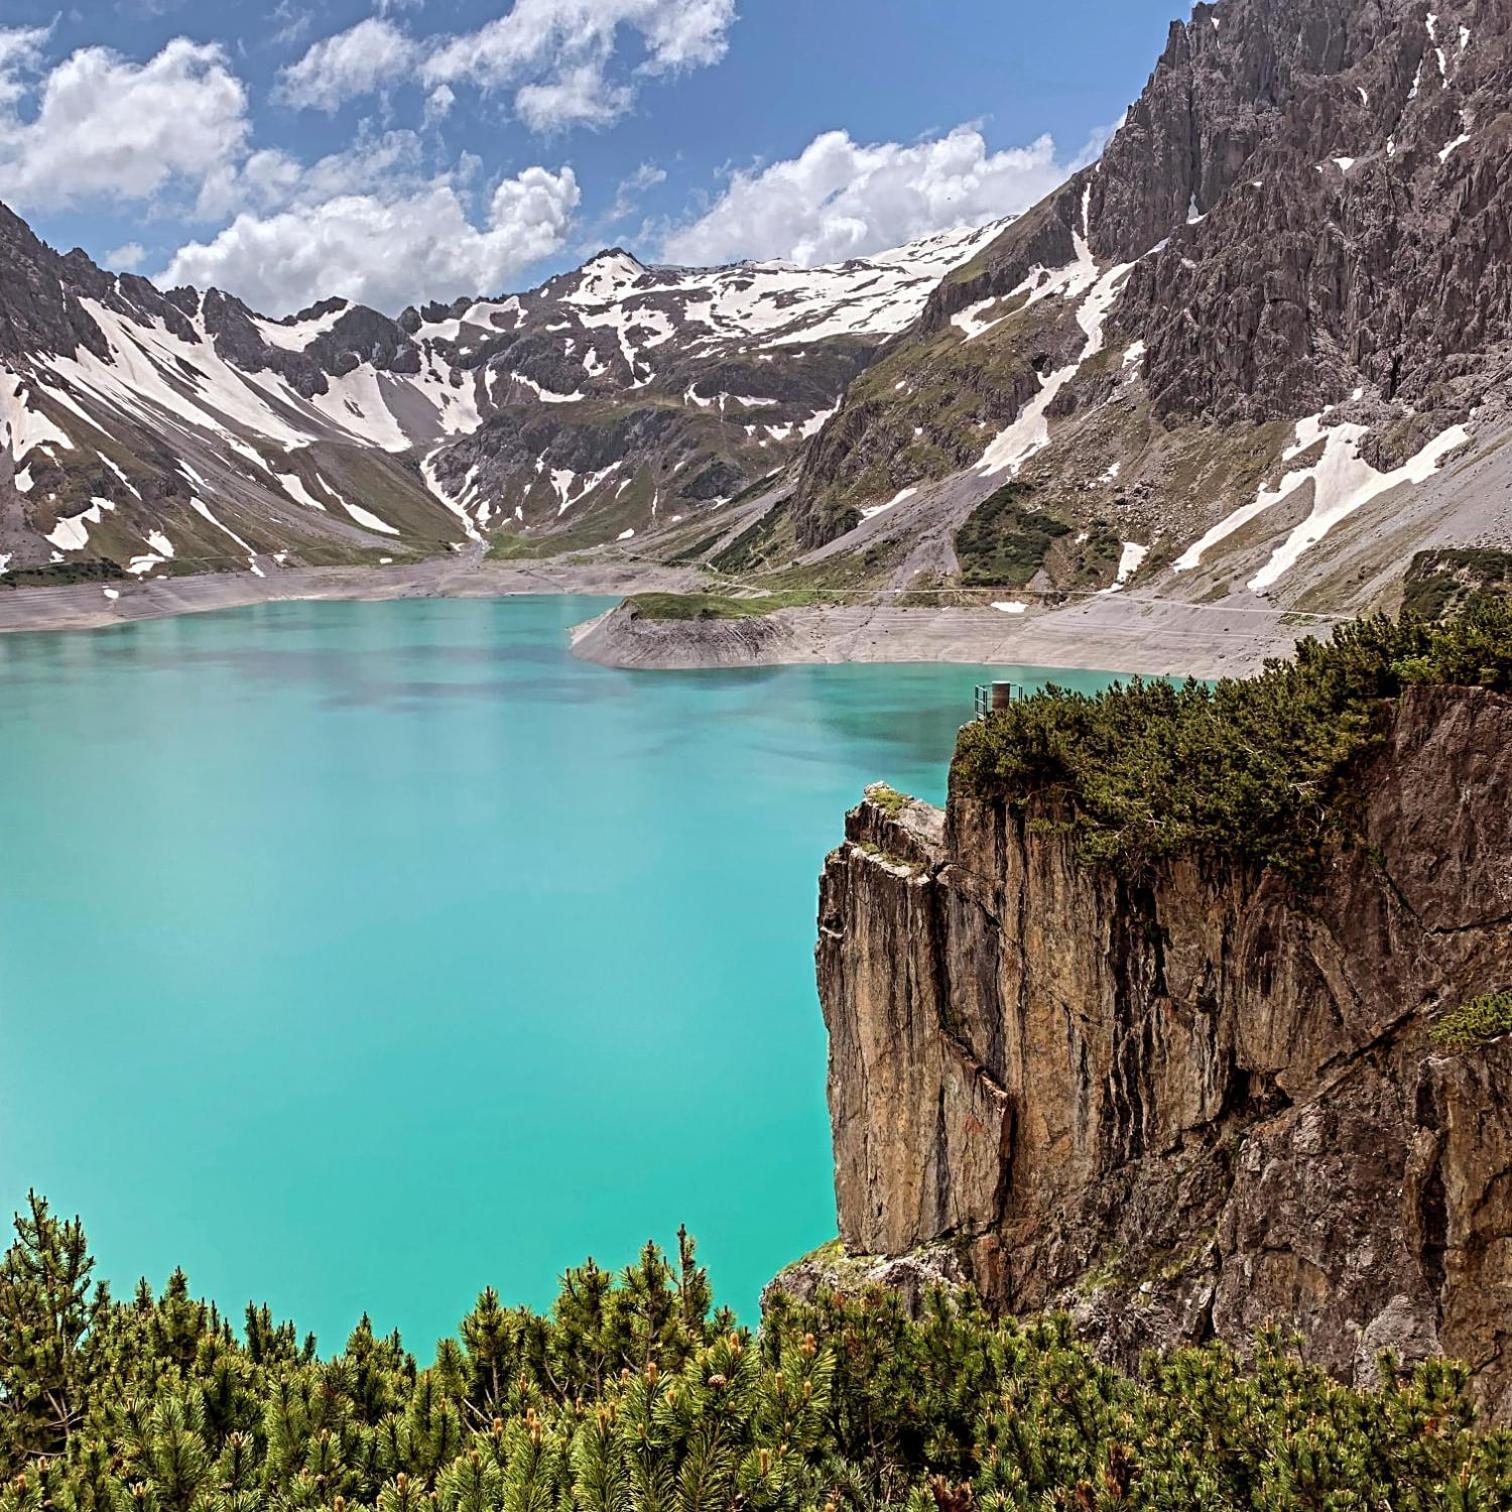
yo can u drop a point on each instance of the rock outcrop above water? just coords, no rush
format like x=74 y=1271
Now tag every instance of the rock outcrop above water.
x=1184 y=1107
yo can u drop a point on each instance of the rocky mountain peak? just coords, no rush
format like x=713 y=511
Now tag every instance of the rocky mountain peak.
x=1277 y=298
x=1328 y=176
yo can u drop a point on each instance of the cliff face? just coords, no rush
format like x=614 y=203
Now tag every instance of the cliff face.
x=1184 y=1108
x=1347 y=161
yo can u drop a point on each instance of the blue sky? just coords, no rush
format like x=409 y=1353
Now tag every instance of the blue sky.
x=395 y=150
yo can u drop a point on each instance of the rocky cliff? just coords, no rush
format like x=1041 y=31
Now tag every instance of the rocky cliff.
x=1185 y=1106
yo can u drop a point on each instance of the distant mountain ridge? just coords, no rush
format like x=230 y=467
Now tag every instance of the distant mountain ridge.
x=1255 y=359
x=179 y=431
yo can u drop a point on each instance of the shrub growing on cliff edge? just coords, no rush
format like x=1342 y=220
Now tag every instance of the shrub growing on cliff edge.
x=634 y=1395
x=1255 y=767
x=888 y=799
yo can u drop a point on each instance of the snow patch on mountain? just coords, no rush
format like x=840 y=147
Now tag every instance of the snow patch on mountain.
x=1030 y=431
x=1342 y=483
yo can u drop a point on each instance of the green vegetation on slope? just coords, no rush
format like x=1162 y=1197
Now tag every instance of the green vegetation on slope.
x=927 y=408
x=1438 y=582
x=761 y=544
x=699 y=547
x=1478 y=1022
x=510 y=546
x=634 y=1395
x=57 y=574
x=1003 y=542
x=1257 y=768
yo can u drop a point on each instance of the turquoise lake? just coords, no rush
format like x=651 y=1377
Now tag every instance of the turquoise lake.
x=356 y=956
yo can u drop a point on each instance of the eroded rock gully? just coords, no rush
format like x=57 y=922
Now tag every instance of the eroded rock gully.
x=1183 y=1108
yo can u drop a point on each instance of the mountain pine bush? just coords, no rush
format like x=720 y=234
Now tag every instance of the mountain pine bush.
x=634 y=1394
x=1255 y=768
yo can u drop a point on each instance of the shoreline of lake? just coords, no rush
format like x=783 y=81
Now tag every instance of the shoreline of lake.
x=1122 y=633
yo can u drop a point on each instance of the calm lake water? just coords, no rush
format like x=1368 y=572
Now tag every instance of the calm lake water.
x=355 y=956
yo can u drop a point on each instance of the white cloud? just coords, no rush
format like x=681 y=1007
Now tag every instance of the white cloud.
x=839 y=198
x=20 y=54
x=270 y=179
x=109 y=128
x=294 y=24
x=385 y=249
x=374 y=222
x=355 y=62
x=557 y=56
x=577 y=96
x=626 y=197
x=552 y=34
x=127 y=259
x=687 y=33
x=647 y=176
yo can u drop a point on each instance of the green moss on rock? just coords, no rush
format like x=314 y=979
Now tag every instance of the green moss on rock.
x=1478 y=1022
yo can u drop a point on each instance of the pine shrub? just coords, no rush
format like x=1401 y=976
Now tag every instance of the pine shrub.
x=1259 y=769
x=635 y=1394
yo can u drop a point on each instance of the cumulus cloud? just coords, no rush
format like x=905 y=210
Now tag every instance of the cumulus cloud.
x=127 y=258
x=375 y=222
x=577 y=96
x=105 y=127
x=839 y=198
x=271 y=179
x=687 y=33
x=20 y=55
x=355 y=62
x=560 y=58
x=385 y=249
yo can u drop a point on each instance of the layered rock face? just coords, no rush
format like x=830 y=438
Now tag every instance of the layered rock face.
x=1183 y=1108
x=1347 y=161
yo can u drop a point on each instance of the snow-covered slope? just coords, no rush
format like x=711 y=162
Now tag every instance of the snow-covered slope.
x=152 y=432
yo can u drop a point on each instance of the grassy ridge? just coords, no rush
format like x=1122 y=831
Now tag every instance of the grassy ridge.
x=1257 y=768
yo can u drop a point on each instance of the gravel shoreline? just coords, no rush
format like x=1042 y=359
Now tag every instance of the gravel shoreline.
x=1112 y=633
x=89 y=606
